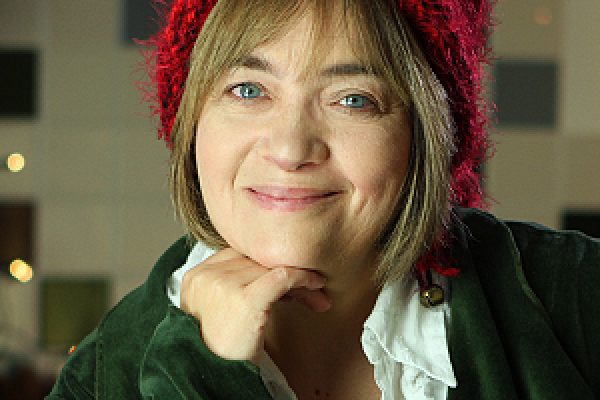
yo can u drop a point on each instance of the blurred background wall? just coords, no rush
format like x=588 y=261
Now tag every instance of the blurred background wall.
x=95 y=177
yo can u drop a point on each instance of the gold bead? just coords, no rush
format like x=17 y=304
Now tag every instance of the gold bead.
x=432 y=296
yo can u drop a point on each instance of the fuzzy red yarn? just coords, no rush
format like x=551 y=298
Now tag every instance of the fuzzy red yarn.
x=167 y=56
x=452 y=35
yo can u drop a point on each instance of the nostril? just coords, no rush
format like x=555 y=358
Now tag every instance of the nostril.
x=290 y=165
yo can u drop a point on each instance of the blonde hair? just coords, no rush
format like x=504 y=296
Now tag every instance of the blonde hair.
x=383 y=41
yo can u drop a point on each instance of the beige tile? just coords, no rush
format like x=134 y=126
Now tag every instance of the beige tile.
x=522 y=31
x=522 y=177
x=13 y=14
x=142 y=162
x=80 y=162
x=582 y=178
x=580 y=100
x=78 y=86
x=84 y=26
x=146 y=230
x=78 y=238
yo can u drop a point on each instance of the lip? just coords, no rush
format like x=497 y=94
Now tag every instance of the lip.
x=280 y=198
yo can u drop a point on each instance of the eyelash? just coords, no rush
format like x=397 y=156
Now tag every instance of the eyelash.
x=373 y=106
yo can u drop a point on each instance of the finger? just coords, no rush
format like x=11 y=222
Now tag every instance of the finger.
x=270 y=287
x=223 y=275
x=244 y=276
x=316 y=300
x=226 y=266
x=224 y=254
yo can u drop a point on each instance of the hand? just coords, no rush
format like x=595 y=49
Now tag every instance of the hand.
x=231 y=296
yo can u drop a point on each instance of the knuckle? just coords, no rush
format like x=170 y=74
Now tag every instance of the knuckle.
x=187 y=279
x=282 y=273
x=222 y=255
x=220 y=283
x=193 y=281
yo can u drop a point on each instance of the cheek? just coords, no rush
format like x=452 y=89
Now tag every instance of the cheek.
x=218 y=152
x=221 y=148
x=208 y=164
x=376 y=170
x=213 y=164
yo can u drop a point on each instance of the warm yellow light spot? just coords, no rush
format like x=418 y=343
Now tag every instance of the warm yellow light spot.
x=15 y=162
x=21 y=271
x=542 y=16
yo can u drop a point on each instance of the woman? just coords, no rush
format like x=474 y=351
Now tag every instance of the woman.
x=320 y=153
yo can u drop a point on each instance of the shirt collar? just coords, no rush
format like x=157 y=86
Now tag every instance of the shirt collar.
x=199 y=253
x=399 y=327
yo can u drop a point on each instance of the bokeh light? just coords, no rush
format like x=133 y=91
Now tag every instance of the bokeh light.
x=21 y=271
x=542 y=15
x=15 y=162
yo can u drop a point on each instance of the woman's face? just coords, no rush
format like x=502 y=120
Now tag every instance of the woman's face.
x=303 y=173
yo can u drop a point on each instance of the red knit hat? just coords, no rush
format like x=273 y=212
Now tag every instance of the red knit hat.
x=452 y=35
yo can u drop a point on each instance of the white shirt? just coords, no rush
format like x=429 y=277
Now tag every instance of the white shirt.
x=405 y=342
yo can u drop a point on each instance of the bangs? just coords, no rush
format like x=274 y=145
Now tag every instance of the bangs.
x=234 y=29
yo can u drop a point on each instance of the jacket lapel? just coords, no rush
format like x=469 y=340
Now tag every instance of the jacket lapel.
x=502 y=342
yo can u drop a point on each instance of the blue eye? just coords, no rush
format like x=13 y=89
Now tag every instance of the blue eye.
x=247 y=91
x=356 y=101
x=253 y=91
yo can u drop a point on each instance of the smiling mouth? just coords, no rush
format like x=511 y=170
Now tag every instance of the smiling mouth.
x=288 y=193
x=289 y=199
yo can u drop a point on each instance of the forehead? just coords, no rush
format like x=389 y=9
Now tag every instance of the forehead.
x=314 y=43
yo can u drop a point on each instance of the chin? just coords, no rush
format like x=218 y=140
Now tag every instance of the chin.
x=278 y=252
x=283 y=258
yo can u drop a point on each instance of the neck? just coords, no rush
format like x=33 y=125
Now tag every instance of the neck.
x=309 y=347
x=297 y=333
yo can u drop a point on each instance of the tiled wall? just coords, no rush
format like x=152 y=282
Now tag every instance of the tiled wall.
x=94 y=168
x=538 y=171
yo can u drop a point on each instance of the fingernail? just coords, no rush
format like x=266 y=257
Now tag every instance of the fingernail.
x=320 y=284
x=326 y=306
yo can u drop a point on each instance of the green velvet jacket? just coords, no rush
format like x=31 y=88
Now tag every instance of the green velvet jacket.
x=525 y=325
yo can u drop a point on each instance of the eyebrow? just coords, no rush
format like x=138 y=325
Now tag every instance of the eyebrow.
x=345 y=69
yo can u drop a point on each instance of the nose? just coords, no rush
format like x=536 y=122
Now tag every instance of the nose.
x=295 y=142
